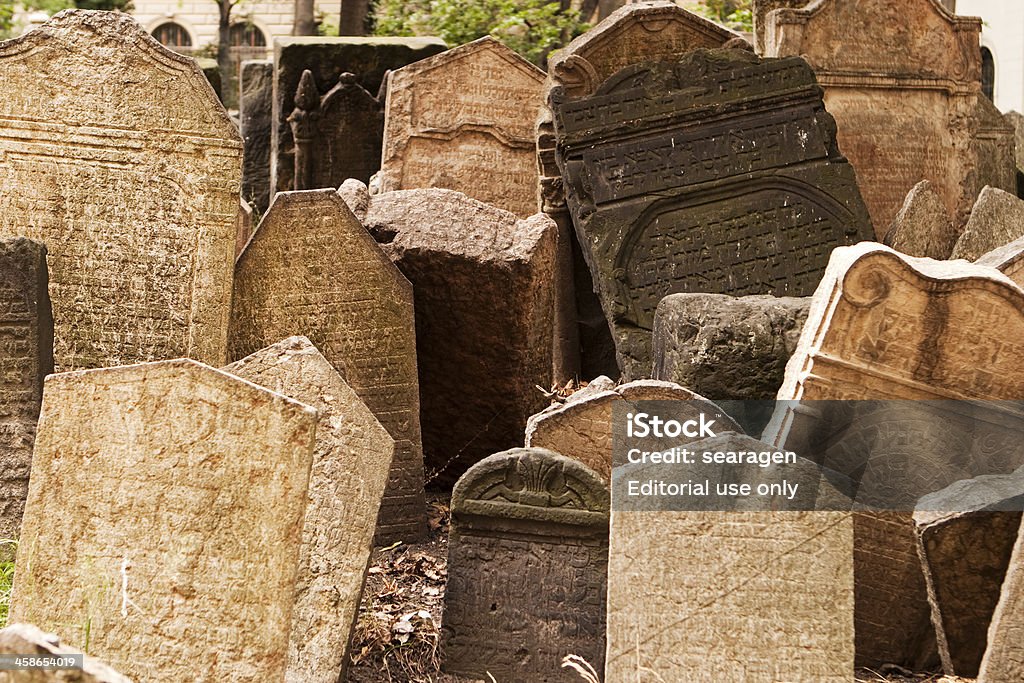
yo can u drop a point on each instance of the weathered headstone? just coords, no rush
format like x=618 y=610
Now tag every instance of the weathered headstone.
x=887 y=326
x=133 y=189
x=922 y=227
x=727 y=347
x=166 y=506
x=965 y=536
x=996 y=219
x=764 y=596
x=351 y=462
x=581 y=428
x=527 y=568
x=760 y=10
x=904 y=84
x=463 y=120
x=1016 y=119
x=256 y=81
x=337 y=136
x=484 y=283
x=1004 y=657
x=311 y=269
x=26 y=357
x=638 y=31
x=29 y=641
x=368 y=59
x=666 y=201
x=243 y=226
x=1007 y=259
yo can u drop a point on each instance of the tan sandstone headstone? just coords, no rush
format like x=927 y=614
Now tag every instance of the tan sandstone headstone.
x=1007 y=259
x=351 y=462
x=311 y=269
x=118 y=156
x=903 y=81
x=996 y=219
x=889 y=327
x=25 y=639
x=164 y=519
x=463 y=120
x=1004 y=658
x=922 y=227
x=581 y=428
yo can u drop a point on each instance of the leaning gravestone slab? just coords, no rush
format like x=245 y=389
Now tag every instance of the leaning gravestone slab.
x=166 y=506
x=891 y=327
x=26 y=358
x=903 y=81
x=255 y=98
x=1007 y=259
x=351 y=462
x=665 y=201
x=133 y=189
x=524 y=520
x=463 y=120
x=368 y=59
x=996 y=219
x=311 y=269
x=1004 y=658
x=922 y=227
x=29 y=641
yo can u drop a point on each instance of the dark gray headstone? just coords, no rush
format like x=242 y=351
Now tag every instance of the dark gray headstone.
x=527 y=568
x=717 y=172
x=256 y=84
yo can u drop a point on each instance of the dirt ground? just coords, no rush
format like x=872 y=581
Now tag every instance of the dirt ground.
x=397 y=638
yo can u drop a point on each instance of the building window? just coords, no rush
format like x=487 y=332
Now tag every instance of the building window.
x=247 y=35
x=172 y=35
x=988 y=73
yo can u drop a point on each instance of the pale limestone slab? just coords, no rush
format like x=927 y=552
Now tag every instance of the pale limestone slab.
x=996 y=219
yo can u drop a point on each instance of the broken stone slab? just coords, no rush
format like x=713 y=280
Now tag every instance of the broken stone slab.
x=1007 y=259
x=166 y=500
x=521 y=519
x=581 y=428
x=996 y=219
x=484 y=282
x=349 y=474
x=965 y=536
x=923 y=227
x=727 y=347
x=30 y=641
x=256 y=79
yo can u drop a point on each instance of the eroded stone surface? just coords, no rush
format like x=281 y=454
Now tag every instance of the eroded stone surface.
x=922 y=227
x=26 y=357
x=164 y=520
x=463 y=120
x=727 y=347
x=1004 y=658
x=904 y=84
x=484 y=283
x=25 y=639
x=523 y=519
x=996 y=219
x=351 y=462
x=581 y=428
x=1007 y=259
x=655 y=217
x=255 y=103
x=133 y=189
x=368 y=59
x=312 y=269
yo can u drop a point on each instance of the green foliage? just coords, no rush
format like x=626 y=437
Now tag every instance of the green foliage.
x=109 y=5
x=8 y=549
x=533 y=28
x=736 y=14
x=6 y=18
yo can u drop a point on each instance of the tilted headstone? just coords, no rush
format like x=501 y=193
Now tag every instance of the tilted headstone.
x=965 y=536
x=996 y=219
x=463 y=120
x=727 y=347
x=1007 y=259
x=923 y=227
x=311 y=269
x=255 y=103
x=26 y=357
x=29 y=641
x=904 y=84
x=527 y=568
x=165 y=508
x=636 y=32
x=368 y=59
x=891 y=327
x=581 y=428
x=485 y=287
x=351 y=462
x=133 y=189
x=756 y=597
x=665 y=200
x=1004 y=657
